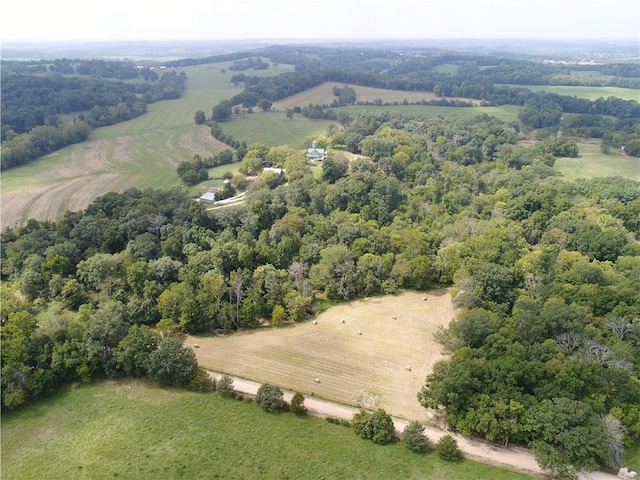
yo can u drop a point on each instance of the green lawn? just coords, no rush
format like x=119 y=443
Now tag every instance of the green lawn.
x=592 y=163
x=633 y=458
x=133 y=430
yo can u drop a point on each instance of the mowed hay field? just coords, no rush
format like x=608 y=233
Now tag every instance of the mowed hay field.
x=323 y=94
x=363 y=370
x=142 y=152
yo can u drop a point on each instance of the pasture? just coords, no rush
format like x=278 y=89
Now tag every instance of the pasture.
x=142 y=152
x=367 y=369
x=132 y=429
x=593 y=163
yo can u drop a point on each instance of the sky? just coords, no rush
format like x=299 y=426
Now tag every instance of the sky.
x=115 y=20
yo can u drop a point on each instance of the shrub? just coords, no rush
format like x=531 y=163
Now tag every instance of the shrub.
x=202 y=381
x=414 y=438
x=270 y=398
x=447 y=448
x=297 y=404
x=225 y=386
x=377 y=427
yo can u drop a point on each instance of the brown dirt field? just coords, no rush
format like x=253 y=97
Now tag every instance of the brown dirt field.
x=323 y=94
x=361 y=370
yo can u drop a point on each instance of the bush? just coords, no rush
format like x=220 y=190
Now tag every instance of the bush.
x=447 y=448
x=377 y=427
x=225 y=386
x=297 y=404
x=202 y=381
x=270 y=398
x=414 y=438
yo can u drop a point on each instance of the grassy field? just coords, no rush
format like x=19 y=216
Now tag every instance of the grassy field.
x=592 y=163
x=590 y=93
x=274 y=128
x=507 y=113
x=367 y=369
x=131 y=429
x=323 y=95
x=142 y=152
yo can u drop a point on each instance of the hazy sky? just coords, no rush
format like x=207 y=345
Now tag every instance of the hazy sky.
x=298 y=19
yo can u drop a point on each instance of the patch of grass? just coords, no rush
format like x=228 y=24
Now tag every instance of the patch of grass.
x=274 y=128
x=632 y=460
x=593 y=163
x=131 y=429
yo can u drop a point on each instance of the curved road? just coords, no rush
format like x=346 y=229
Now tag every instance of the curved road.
x=517 y=459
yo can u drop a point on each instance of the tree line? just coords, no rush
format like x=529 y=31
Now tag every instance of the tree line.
x=31 y=105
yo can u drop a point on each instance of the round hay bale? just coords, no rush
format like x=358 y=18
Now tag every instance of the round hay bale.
x=317 y=380
x=424 y=298
x=359 y=332
x=393 y=317
x=408 y=368
x=195 y=345
x=342 y=320
x=315 y=322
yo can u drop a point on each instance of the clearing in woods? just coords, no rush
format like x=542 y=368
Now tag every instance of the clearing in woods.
x=367 y=369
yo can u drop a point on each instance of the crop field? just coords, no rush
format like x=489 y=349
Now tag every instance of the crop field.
x=507 y=113
x=367 y=369
x=590 y=93
x=131 y=429
x=592 y=163
x=142 y=152
x=323 y=94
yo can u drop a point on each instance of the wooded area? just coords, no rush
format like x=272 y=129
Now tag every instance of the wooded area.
x=546 y=345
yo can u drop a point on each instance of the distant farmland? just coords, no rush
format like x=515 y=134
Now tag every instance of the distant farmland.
x=323 y=94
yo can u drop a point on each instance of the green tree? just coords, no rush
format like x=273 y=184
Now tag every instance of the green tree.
x=377 y=427
x=270 y=398
x=225 y=386
x=222 y=111
x=566 y=435
x=200 y=118
x=172 y=363
x=447 y=449
x=134 y=350
x=414 y=438
x=297 y=405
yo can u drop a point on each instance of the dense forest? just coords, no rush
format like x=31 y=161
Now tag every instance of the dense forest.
x=545 y=274
x=33 y=102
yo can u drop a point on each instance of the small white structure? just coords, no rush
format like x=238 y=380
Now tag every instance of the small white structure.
x=210 y=196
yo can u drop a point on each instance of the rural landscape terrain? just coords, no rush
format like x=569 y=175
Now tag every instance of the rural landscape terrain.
x=444 y=238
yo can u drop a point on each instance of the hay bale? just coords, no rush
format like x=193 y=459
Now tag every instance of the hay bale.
x=195 y=345
x=359 y=332
x=408 y=368
x=393 y=317
x=424 y=298
x=342 y=320
x=315 y=322
x=317 y=380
